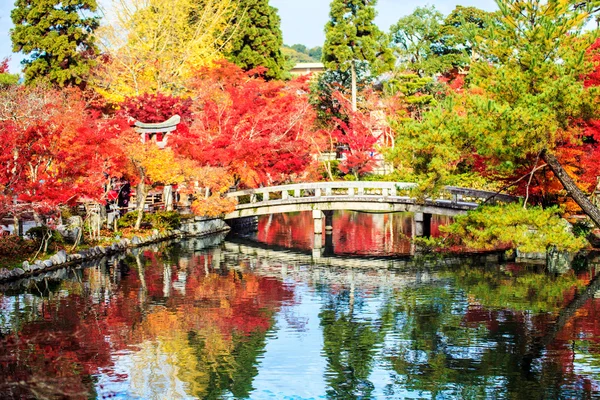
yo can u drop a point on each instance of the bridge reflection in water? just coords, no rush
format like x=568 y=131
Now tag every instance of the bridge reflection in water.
x=323 y=199
x=354 y=233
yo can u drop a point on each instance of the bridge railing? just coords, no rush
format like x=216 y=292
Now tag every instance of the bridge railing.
x=363 y=190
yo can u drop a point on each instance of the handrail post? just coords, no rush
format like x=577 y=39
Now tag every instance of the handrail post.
x=284 y=195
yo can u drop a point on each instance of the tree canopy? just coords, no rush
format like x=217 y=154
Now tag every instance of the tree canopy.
x=58 y=37
x=351 y=36
x=155 y=45
x=427 y=43
x=525 y=93
x=256 y=38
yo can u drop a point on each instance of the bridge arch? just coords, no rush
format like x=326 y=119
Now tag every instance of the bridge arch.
x=387 y=197
x=358 y=196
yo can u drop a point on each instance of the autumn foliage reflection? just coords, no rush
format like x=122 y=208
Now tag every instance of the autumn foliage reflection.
x=184 y=319
x=353 y=232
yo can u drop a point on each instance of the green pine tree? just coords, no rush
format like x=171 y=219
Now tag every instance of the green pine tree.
x=256 y=40
x=351 y=36
x=57 y=36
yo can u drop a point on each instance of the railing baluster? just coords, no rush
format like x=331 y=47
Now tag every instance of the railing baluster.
x=374 y=191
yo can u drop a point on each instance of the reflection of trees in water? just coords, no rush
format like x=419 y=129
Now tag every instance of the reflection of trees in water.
x=201 y=319
x=176 y=319
x=353 y=232
x=350 y=343
x=465 y=333
x=449 y=343
x=443 y=340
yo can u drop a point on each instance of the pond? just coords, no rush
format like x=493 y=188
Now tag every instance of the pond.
x=259 y=318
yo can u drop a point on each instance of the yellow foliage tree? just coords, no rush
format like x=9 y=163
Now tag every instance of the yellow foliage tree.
x=153 y=46
x=215 y=182
x=152 y=166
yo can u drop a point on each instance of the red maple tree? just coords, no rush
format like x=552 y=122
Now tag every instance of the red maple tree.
x=53 y=150
x=258 y=130
x=357 y=136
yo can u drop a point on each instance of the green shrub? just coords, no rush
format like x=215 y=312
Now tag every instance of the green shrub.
x=582 y=228
x=531 y=230
x=40 y=233
x=128 y=220
x=165 y=220
x=162 y=220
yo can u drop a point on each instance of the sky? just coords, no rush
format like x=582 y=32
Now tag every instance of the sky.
x=302 y=21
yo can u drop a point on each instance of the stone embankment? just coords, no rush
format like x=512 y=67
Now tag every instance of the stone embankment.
x=192 y=228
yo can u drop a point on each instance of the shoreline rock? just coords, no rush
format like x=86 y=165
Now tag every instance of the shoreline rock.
x=200 y=227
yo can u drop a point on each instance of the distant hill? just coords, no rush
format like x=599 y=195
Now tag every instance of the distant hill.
x=299 y=53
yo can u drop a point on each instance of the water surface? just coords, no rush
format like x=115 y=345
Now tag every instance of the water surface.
x=259 y=321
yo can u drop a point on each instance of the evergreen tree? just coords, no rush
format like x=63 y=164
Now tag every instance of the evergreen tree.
x=57 y=35
x=351 y=36
x=256 y=40
x=428 y=44
x=525 y=93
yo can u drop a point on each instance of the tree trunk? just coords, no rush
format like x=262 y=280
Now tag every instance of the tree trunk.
x=353 y=71
x=141 y=193
x=168 y=197
x=576 y=194
x=329 y=172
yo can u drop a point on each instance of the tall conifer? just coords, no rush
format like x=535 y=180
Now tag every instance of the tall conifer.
x=257 y=39
x=57 y=36
x=352 y=36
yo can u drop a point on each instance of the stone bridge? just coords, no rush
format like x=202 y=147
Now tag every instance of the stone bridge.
x=322 y=198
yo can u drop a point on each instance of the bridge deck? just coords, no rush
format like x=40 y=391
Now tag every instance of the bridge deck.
x=358 y=196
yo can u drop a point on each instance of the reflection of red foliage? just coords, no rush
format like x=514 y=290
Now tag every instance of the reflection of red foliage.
x=585 y=323
x=75 y=337
x=353 y=232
